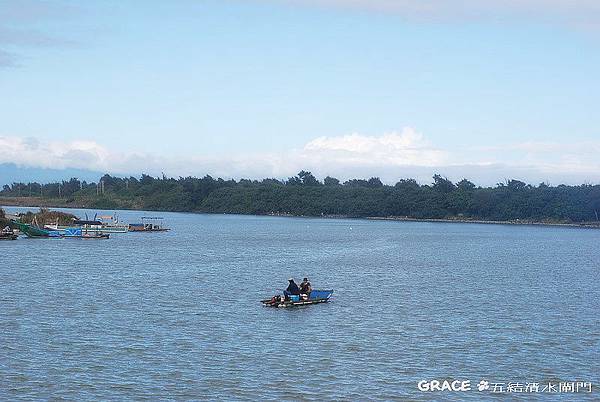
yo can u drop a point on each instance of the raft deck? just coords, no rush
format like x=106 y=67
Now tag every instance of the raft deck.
x=315 y=297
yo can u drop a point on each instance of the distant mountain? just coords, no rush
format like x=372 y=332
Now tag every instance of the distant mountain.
x=10 y=173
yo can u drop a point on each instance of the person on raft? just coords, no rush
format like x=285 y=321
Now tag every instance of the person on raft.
x=305 y=288
x=292 y=288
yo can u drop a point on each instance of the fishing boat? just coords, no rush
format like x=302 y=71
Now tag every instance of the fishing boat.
x=83 y=233
x=8 y=234
x=35 y=231
x=98 y=225
x=104 y=224
x=94 y=236
x=149 y=224
x=69 y=233
x=315 y=297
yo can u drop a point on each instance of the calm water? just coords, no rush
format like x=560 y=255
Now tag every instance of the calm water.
x=176 y=315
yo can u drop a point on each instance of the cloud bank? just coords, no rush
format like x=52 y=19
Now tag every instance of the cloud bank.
x=580 y=13
x=390 y=156
x=397 y=149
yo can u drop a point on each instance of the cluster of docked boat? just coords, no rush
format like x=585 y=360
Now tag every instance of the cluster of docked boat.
x=97 y=228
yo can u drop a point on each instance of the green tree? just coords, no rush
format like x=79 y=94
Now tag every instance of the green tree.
x=331 y=181
x=442 y=184
x=308 y=179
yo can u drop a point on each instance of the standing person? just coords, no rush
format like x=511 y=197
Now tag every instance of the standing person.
x=305 y=287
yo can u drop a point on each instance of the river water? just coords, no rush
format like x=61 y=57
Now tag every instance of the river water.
x=176 y=315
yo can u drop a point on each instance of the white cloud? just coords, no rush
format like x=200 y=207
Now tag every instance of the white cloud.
x=405 y=148
x=389 y=156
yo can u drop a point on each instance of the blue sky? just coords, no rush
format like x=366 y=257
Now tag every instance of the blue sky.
x=265 y=88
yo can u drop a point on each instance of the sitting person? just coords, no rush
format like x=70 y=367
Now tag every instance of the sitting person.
x=292 y=289
x=305 y=288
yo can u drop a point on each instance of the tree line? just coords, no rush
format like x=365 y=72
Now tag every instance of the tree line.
x=305 y=195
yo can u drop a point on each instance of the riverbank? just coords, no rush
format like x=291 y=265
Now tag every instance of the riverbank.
x=587 y=225
x=38 y=202
x=81 y=203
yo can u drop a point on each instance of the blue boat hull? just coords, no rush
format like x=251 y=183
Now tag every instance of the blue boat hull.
x=316 y=296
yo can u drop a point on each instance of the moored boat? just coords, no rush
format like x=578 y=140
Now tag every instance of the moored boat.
x=315 y=297
x=105 y=224
x=149 y=224
x=95 y=236
x=83 y=233
x=35 y=231
x=69 y=233
x=8 y=234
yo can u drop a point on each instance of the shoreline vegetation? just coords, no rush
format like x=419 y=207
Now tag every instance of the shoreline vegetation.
x=513 y=202
x=42 y=217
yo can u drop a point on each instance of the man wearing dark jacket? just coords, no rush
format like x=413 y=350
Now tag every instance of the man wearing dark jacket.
x=292 y=288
